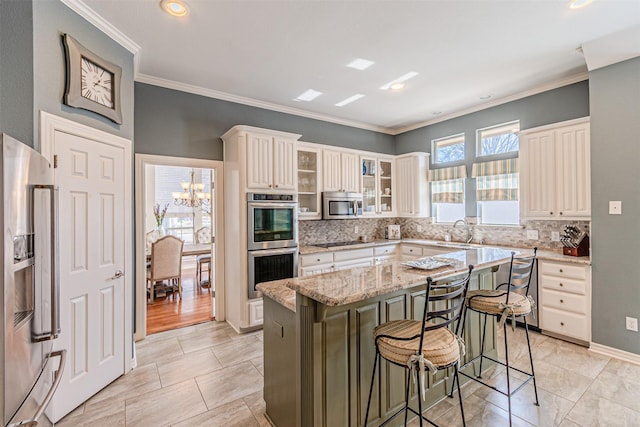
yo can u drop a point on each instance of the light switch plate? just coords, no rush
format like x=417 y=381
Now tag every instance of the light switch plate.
x=532 y=234
x=632 y=324
x=615 y=207
x=555 y=236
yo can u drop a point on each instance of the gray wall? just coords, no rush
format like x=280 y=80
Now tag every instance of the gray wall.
x=615 y=175
x=51 y=19
x=16 y=69
x=557 y=105
x=174 y=123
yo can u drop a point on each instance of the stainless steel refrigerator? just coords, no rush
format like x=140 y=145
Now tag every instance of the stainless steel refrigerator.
x=29 y=370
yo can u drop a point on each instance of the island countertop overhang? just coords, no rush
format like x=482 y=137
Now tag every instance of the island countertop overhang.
x=357 y=284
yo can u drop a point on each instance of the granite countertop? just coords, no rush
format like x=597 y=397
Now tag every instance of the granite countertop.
x=280 y=293
x=542 y=254
x=357 y=284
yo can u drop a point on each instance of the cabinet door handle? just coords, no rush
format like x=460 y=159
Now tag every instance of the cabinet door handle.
x=560 y=213
x=550 y=213
x=276 y=185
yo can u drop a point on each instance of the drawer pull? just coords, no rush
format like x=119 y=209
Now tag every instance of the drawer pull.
x=560 y=270
x=550 y=213
x=561 y=284
x=561 y=301
x=318 y=260
x=561 y=323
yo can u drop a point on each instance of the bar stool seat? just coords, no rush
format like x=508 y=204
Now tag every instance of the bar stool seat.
x=494 y=302
x=400 y=339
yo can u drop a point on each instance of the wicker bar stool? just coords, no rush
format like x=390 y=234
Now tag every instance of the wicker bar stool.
x=511 y=301
x=424 y=345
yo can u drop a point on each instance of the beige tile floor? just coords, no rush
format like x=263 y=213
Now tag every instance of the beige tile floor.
x=207 y=375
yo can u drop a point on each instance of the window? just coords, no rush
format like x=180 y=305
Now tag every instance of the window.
x=447 y=193
x=497 y=192
x=448 y=149
x=498 y=139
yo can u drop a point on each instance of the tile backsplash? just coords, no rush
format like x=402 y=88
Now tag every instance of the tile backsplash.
x=337 y=230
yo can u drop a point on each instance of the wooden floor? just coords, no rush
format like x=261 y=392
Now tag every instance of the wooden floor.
x=171 y=312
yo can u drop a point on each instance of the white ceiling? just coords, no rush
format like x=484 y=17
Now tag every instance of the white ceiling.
x=267 y=52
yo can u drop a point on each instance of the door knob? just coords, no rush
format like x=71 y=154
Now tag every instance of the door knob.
x=118 y=275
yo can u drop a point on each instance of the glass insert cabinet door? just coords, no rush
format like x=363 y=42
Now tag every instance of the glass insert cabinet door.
x=377 y=186
x=308 y=182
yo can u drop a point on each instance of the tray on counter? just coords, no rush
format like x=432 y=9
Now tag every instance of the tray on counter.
x=429 y=263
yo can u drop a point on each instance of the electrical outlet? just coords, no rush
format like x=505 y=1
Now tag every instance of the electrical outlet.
x=532 y=234
x=555 y=236
x=615 y=207
x=419 y=228
x=632 y=324
x=355 y=229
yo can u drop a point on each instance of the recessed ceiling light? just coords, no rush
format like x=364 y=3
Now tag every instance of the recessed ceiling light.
x=360 y=64
x=400 y=79
x=396 y=86
x=309 y=95
x=349 y=100
x=174 y=7
x=485 y=97
x=577 y=4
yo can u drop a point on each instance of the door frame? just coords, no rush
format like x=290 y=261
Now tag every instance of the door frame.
x=49 y=125
x=141 y=161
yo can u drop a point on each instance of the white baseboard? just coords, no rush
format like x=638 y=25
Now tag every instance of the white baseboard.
x=615 y=353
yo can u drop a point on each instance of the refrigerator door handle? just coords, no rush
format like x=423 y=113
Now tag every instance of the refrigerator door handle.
x=55 y=273
x=47 y=399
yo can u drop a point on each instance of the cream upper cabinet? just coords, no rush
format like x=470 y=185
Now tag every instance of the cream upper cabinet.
x=555 y=175
x=270 y=158
x=309 y=181
x=412 y=188
x=285 y=161
x=340 y=171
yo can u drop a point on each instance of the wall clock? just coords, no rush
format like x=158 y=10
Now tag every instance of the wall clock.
x=92 y=83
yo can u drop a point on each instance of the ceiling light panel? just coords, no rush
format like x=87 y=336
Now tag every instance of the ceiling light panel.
x=349 y=100
x=400 y=79
x=360 y=64
x=309 y=95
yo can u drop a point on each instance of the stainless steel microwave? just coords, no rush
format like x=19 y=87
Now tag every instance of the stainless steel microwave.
x=341 y=205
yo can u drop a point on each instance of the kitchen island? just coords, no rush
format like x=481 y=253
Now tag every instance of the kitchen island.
x=318 y=335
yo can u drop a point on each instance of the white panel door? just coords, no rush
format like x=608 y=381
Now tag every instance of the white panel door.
x=259 y=162
x=90 y=177
x=285 y=161
x=331 y=176
x=351 y=172
x=574 y=171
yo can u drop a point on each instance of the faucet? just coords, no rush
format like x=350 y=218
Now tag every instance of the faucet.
x=467 y=229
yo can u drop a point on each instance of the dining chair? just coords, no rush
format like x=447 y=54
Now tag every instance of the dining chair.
x=166 y=264
x=203 y=236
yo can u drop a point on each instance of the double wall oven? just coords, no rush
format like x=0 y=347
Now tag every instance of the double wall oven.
x=272 y=239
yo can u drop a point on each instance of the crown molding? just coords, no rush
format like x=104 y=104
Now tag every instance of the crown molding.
x=105 y=26
x=210 y=93
x=534 y=91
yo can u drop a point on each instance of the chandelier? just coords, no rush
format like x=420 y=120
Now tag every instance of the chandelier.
x=192 y=195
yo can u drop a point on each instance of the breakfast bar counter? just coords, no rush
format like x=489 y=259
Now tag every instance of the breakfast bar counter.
x=318 y=354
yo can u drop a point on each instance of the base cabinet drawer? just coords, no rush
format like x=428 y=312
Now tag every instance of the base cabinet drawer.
x=564 y=270
x=563 y=284
x=387 y=250
x=316 y=269
x=316 y=259
x=356 y=254
x=565 y=323
x=564 y=301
